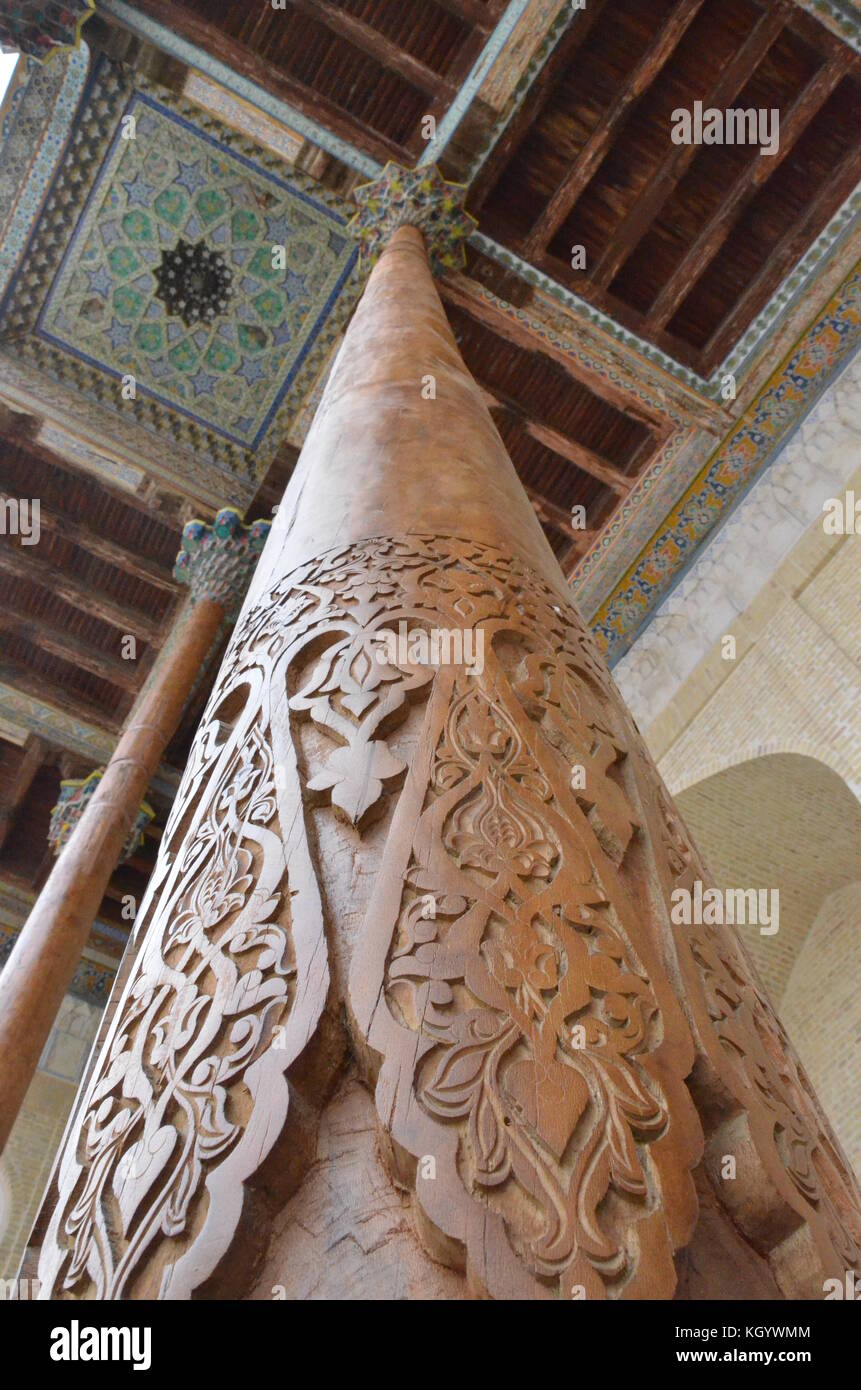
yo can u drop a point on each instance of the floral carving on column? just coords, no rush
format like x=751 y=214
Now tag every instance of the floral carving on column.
x=419 y=198
x=40 y=28
x=529 y=1038
x=481 y=850
x=217 y=561
x=75 y=796
x=767 y=1106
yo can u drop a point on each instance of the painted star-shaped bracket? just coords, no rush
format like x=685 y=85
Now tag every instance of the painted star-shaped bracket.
x=418 y=198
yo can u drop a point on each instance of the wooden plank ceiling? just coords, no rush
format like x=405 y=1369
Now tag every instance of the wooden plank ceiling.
x=368 y=70
x=100 y=572
x=684 y=244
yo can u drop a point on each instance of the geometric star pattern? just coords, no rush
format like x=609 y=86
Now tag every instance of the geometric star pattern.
x=289 y=256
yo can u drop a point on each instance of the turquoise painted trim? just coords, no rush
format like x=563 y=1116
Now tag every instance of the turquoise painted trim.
x=559 y=26
x=839 y=228
x=838 y=16
x=480 y=68
x=194 y=57
x=51 y=148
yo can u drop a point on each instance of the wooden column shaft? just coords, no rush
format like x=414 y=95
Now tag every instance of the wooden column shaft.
x=48 y=949
x=456 y=869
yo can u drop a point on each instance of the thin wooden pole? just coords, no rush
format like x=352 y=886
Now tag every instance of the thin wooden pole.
x=44 y=958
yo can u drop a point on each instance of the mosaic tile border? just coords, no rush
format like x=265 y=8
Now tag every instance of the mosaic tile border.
x=675 y=466
x=108 y=93
x=756 y=439
x=35 y=130
x=742 y=356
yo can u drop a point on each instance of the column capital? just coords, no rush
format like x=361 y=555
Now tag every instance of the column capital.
x=40 y=29
x=217 y=561
x=417 y=198
x=76 y=793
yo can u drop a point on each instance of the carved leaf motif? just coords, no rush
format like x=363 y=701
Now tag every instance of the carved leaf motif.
x=194 y=1028
x=475 y=1021
x=749 y=1049
x=527 y=1033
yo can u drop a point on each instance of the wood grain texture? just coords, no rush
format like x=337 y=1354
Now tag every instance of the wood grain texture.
x=48 y=948
x=392 y=851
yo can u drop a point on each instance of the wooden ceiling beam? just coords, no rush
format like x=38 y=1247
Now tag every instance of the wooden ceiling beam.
x=676 y=163
x=785 y=254
x=582 y=457
x=572 y=557
x=457 y=289
x=14 y=793
x=247 y=63
x=45 y=691
x=471 y=12
x=554 y=515
x=756 y=172
x=587 y=162
x=17 y=561
x=534 y=102
x=376 y=45
x=138 y=566
x=125 y=674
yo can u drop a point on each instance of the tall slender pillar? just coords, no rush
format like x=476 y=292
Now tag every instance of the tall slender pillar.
x=43 y=961
x=419 y=824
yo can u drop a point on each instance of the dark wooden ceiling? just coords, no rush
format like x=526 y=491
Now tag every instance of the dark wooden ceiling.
x=101 y=571
x=569 y=446
x=684 y=244
x=369 y=70
x=33 y=772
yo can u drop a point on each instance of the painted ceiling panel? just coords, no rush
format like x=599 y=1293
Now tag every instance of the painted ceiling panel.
x=156 y=176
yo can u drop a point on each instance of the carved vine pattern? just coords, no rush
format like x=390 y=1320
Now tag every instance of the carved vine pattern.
x=753 y=1056
x=527 y=1034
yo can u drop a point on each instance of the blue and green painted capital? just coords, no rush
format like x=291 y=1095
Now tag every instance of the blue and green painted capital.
x=75 y=796
x=217 y=561
x=417 y=198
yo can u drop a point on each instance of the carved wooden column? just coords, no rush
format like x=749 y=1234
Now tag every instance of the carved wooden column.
x=418 y=825
x=216 y=562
